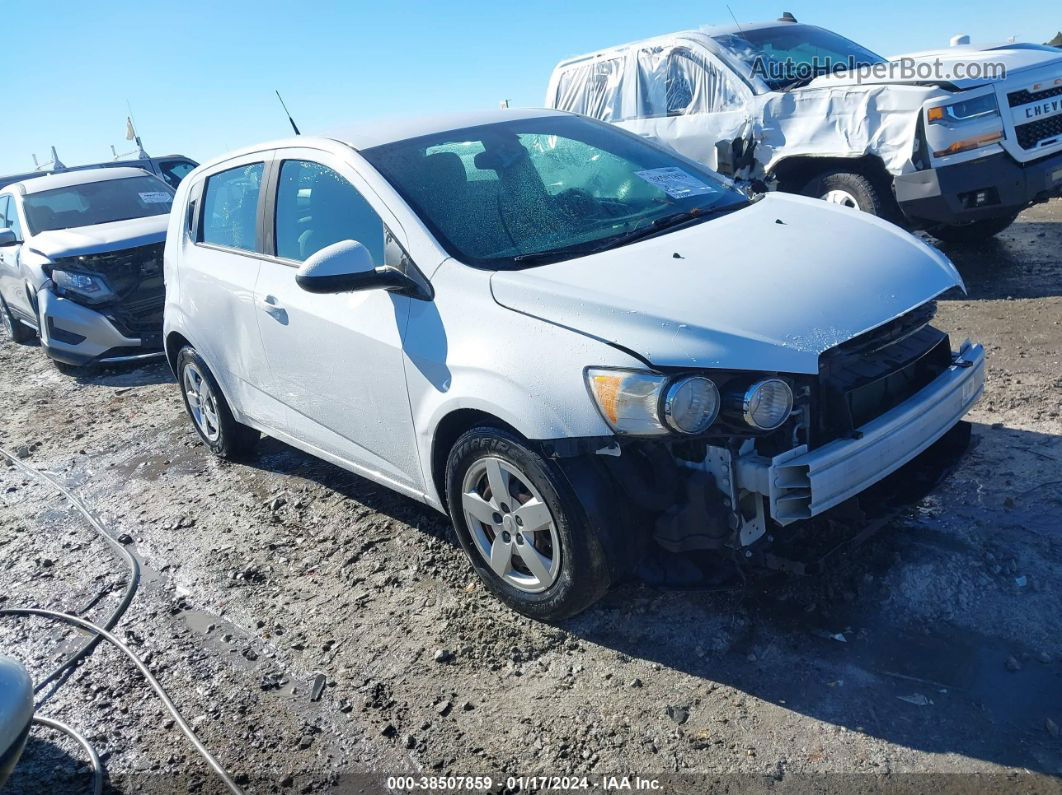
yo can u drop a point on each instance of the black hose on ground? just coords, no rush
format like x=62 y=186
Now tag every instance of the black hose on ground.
x=151 y=680
x=134 y=568
x=103 y=633
x=94 y=759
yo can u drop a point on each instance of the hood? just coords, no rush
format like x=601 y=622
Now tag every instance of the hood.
x=769 y=287
x=101 y=238
x=1014 y=58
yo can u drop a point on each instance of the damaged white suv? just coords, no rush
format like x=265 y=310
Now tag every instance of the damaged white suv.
x=572 y=340
x=956 y=142
x=81 y=264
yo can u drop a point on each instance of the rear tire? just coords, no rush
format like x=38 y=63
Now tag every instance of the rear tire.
x=568 y=569
x=208 y=409
x=973 y=232
x=15 y=329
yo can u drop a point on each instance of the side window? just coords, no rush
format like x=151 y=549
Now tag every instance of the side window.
x=230 y=207
x=316 y=207
x=173 y=171
x=9 y=216
x=680 y=82
x=592 y=88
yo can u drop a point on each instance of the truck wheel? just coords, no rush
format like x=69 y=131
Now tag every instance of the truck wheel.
x=851 y=189
x=522 y=527
x=973 y=232
x=15 y=329
x=208 y=409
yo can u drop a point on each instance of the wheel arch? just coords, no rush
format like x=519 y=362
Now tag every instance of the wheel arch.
x=172 y=345
x=448 y=431
x=792 y=173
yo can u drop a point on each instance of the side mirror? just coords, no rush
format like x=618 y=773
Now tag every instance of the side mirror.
x=346 y=267
x=7 y=237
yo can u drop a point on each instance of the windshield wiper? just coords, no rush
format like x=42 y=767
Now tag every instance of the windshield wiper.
x=552 y=255
x=666 y=223
x=656 y=227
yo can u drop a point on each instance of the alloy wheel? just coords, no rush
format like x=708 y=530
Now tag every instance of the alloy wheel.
x=842 y=197
x=202 y=403
x=511 y=525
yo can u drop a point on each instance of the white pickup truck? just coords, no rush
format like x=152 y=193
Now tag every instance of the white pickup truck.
x=956 y=141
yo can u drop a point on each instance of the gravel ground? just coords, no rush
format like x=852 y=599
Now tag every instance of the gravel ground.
x=934 y=648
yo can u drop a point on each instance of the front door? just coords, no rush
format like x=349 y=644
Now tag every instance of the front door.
x=336 y=360
x=12 y=284
x=690 y=102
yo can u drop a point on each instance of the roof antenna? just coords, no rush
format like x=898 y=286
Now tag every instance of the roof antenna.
x=56 y=164
x=287 y=113
x=787 y=17
x=132 y=135
x=733 y=17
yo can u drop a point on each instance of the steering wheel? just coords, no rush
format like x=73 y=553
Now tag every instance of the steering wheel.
x=582 y=204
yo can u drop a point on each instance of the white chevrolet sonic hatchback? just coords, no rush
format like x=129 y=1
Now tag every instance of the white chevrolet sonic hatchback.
x=575 y=342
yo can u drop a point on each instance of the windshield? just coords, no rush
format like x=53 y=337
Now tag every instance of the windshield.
x=789 y=54
x=530 y=191
x=97 y=203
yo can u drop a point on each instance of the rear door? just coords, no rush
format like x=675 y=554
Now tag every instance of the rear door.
x=336 y=360
x=217 y=281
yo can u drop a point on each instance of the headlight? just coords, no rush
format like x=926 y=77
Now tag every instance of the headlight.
x=767 y=404
x=691 y=404
x=965 y=110
x=87 y=286
x=629 y=400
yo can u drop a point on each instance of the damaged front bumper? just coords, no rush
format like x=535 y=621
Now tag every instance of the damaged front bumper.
x=989 y=187
x=802 y=483
x=79 y=335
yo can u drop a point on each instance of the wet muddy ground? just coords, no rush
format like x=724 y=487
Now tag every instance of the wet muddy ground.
x=935 y=647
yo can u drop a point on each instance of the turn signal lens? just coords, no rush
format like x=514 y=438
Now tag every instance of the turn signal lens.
x=629 y=400
x=966 y=144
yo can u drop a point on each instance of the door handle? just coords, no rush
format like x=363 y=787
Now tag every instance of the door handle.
x=271 y=306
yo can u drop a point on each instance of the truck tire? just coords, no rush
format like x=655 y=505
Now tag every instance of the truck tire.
x=208 y=409
x=497 y=487
x=16 y=329
x=973 y=232
x=852 y=189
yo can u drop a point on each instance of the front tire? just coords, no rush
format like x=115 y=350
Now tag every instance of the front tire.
x=855 y=190
x=14 y=328
x=208 y=409
x=522 y=526
x=973 y=232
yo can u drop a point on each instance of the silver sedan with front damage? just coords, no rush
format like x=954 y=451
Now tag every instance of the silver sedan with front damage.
x=575 y=342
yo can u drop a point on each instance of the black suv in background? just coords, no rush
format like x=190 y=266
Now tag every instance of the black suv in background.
x=169 y=168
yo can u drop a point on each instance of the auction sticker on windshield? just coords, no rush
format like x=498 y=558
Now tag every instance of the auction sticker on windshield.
x=156 y=197
x=675 y=182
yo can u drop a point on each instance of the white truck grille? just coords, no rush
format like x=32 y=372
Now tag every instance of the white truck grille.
x=1035 y=116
